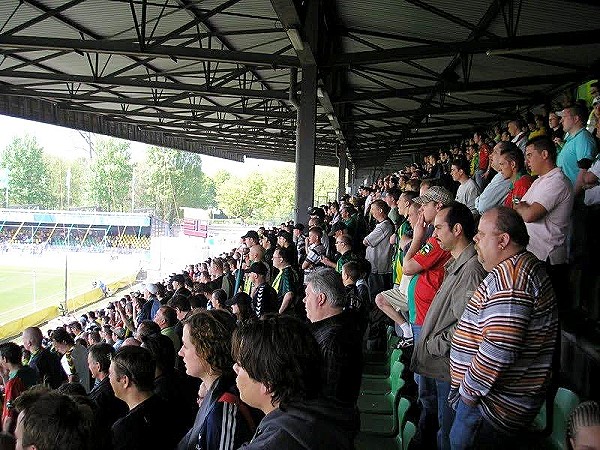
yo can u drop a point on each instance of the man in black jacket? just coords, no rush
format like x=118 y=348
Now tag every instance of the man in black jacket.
x=277 y=363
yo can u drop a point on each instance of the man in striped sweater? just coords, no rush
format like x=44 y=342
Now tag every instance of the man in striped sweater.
x=501 y=354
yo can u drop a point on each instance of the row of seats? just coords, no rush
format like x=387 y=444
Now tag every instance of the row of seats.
x=383 y=409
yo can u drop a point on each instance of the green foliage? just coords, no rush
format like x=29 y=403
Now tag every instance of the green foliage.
x=111 y=174
x=172 y=179
x=68 y=181
x=28 y=178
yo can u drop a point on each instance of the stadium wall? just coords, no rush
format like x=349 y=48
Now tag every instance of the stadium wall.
x=16 y=327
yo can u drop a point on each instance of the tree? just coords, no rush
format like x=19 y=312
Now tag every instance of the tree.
x=28 y=177
x=173 y=179
x=241 y=197
x=68 y=181
x=111 y=174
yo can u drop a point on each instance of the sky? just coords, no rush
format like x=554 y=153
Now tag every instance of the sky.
x=68 y=143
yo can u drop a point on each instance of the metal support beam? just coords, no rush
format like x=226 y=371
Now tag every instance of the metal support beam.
x=305 y=144
x=531 y=42
x=156 y=51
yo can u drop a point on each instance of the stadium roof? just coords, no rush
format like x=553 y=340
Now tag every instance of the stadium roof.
x=221 y=77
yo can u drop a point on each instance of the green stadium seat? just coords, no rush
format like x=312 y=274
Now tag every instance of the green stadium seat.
x=382 y=371
x=407 y=434
x=368 y=440
x=383 y=403
x=378 y=385
x=564 y=402
x=387 y=425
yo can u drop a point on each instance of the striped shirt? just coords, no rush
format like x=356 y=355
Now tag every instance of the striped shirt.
x=501 y=355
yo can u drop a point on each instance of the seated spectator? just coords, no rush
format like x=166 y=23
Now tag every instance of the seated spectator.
x=109 y=407
x=338 y=334
x=583 y=427
x=149 y=422
x=206 y=351
x=52 y=421
x=356 y=300
x=283 y=381
x=74 y=360
x=511 y=164
x=468 y=190
x=43 y=360
x=16 y=379
x=218 y=299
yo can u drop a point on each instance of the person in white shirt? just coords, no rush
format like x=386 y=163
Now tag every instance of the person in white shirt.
x=546 y=209
x=468 y=190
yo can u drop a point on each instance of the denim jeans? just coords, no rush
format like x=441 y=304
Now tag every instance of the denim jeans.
x=471 y=431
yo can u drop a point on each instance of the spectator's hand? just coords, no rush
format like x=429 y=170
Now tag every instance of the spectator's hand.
x=393 y=239
x=558 y=141
x=419 y=230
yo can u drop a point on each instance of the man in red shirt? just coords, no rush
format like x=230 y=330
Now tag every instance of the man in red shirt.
x=16 y=379
x=426 y=261
x=482 y=177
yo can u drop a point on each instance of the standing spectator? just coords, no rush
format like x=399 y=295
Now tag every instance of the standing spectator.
x=74 y=360
x=149 y=423
x=379 y=250
x=264 y=297
x=223 y=421
x=468 y=190
x=483 y=169
x=519 y=137
x=300 y=244
x=546 y=209
x=502 y=349
x=338 y=334
x=454 y=228
x=43 y=360
x=16 y=378
x=556 y=129
x=511 y=164
x=578 y=148
x=166 y=319
x=496 y=191
x=287 y=281
x=314 y=250
x=109 y=408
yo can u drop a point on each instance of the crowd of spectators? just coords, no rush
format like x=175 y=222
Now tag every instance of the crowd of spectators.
x=262 y=347
x=47 y=236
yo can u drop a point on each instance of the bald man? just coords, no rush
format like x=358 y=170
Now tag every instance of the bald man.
x=45 y=362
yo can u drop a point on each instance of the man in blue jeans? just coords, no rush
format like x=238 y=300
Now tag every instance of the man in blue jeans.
x=502 y=347
x=454 y=228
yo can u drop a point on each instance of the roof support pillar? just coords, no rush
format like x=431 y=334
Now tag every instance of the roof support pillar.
x=306 y=143
x=342 y=171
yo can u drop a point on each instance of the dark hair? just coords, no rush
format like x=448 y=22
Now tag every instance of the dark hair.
x=137 y=363
x=162 y=350
x=72 y=389
x=57 y=422
x=61 y=336
x=461 y=214
x=395 y=193
x=286 y=253
x=180 y=302
x=353 y=270
x=221 y=296
x=281 y=353
x=513 y=153
x=169 y=314
x=461 y=164
x=541 y=143
x=509 y=221
x=410 y=195
x=579 y=110
x=102 y=354
x=244 y=303
x=210 y=333
x=385 y=208
x=147 y=327
x=12 y=352
x=316 y=230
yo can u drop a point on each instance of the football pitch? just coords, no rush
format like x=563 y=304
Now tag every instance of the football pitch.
x=28 y=286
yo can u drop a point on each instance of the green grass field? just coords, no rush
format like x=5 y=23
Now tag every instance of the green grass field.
x=24 y=290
